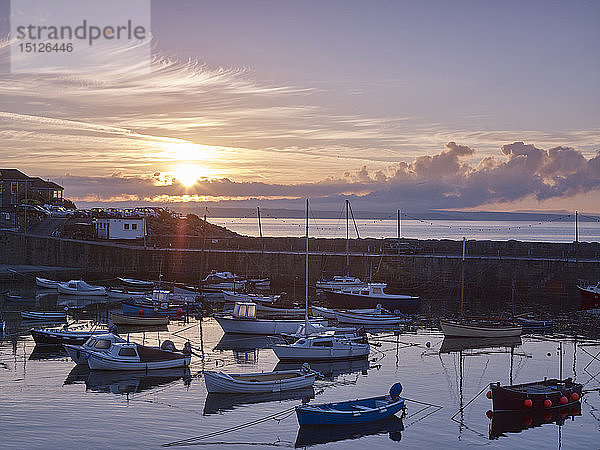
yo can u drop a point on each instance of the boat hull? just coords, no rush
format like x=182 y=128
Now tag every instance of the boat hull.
x=63 y=289
x=291 y=353
x=369 y=320
x=45 y=283
x=342 y=300
x=590 y=297
x=512 y=398
x=31 y=315
x=121 y=319
x=60 y=337
x=217 y=382
x=314 y=415
x=131 y=308
x=455 y=329
x=261 y=326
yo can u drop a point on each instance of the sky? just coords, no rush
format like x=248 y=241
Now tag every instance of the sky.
x=466 y=105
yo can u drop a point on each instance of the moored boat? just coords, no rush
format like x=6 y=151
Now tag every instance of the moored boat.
x=80 y=287
x=339 y=282
x=131 y=356
x=243 y=320
x=233 y=297
x=369 y=296
x=377 y=319
x=590 y=296
x=324 y=347
x=46 y=283
x=124 y=294
x=219 y=382
x=62 y=336
x=353 y=411
x=452 y=328
x=100 y=343
x=43 y=315
x=539 y=395
x=122 y=319
x=140 y=284
x=223 y=281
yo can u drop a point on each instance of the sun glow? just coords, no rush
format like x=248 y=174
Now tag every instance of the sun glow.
x=188 y=175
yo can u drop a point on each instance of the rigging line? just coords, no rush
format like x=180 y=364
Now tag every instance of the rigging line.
x=354 y=221
x=468 y=403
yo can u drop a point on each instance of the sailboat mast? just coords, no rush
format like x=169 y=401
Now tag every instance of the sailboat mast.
x=306 y=268
x=259 y=224
x=462 y=279
x=347 y=241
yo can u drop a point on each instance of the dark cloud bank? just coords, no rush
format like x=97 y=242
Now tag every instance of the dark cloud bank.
x=449 y=179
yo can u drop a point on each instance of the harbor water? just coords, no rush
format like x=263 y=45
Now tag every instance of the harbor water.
x=49 y=402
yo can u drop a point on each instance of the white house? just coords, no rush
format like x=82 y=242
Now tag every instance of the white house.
x=124 y=228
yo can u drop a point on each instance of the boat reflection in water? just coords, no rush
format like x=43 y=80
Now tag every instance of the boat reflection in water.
x=245 y=347
x=322 y=434
x=216 y=403
x=459 y=344
x=125 y=382
x=329 y=369
x=517 y=421
x=40 y=352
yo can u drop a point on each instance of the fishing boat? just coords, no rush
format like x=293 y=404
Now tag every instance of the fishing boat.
x=220 y=382
x=100 y=343
x=46 y=283
x=475 y=328
x=261 y=284
x=590 y=296
x=131 y=356
x=353 y=411
x=80 y=287
x=124 y=294
x=329 y=313
x=62 y=336
x=140 y=284
x=149 y=308
x=233 y=297
x=539 y=395
x=369 y=296
x=269 y=311
x=243 y=320
x=322 y=348
x=373 y=319
x=122 y=319
x=339 y=282
x=533 y=324
x=223 y=281
x=36 y=315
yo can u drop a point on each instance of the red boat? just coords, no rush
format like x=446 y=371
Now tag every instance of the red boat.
x=590 y=296
x=539 y=395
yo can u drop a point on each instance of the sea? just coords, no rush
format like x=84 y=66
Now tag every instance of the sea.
x=46 y=401
x=557 y=231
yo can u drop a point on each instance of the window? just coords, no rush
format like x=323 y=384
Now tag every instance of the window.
x=127 y=351
x=126 y=226
x=364 y=293
x=14 y=187
x=134 y=226
x=322 y=344
x=102 y=344
x=91 y=342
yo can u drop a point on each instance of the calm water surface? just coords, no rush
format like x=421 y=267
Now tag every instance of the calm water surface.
x=46 y=401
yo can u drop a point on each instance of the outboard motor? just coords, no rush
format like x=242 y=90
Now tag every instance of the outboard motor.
x=395 y=390
x=168 y=345
x=187 y=348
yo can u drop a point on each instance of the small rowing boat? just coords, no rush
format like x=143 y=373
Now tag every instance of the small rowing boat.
x=34 y=315
x=377 y=319
x=286 y=380
x=60 y=336
x=140 y=284
x=46 y=283
x=353 y=411
x=122 y=319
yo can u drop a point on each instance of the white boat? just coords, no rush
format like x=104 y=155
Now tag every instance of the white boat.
x=285 y=380
x=262 y=284
x=136 y=283
x=80 y=287
x=46 y=283
x=369 y=296
x=243 y=320
x=222 y=281
x=330 y=313
x=233 y=297
x=377 y=318
x=34 y=315
x=322 y=348
x=268 y=311
x=131 y=356
x=452 y=328
x=102 y=343
x=338 y=282
x=122 y=294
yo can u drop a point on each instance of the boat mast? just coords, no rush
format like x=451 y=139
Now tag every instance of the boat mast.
x=306 y=324
x=462 y=279
x=347 y=241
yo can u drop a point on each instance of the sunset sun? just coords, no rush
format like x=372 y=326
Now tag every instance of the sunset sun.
x=188 y=175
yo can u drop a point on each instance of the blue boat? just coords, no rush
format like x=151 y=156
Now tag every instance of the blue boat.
x=154 y=309
x=531 y=324
x=353 y=411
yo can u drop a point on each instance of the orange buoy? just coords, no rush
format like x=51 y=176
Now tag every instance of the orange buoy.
x=564 y=400
x=528 y=403
x=140 y=312
x=489 y=395
x=574 y=396
x=547 y=403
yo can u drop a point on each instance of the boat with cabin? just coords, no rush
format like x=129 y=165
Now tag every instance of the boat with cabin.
x=353 y=411
x=322 y=347
x=80 y=287
x=547 y=394
x=101 y=343
x=369 y=296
